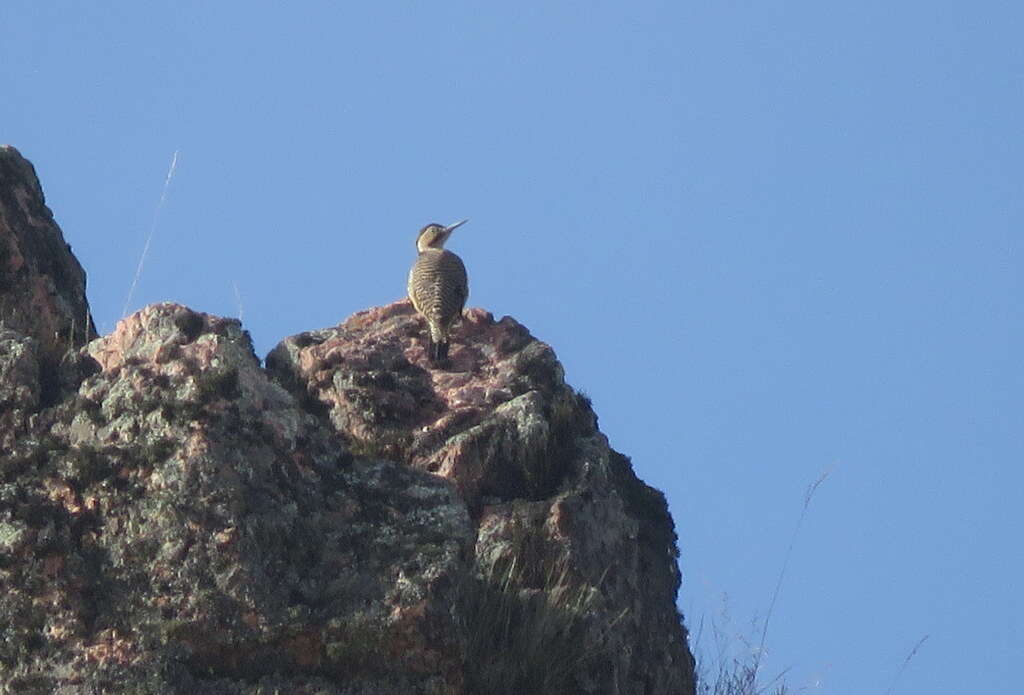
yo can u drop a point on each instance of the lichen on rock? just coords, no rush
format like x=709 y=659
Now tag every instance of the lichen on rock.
x=198 y=524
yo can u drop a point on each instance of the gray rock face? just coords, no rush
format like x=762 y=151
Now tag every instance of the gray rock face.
x=176 y=518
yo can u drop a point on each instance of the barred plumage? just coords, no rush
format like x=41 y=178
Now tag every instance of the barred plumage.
x=438 y=286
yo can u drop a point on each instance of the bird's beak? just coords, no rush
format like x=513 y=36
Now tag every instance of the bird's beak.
x=452 y=227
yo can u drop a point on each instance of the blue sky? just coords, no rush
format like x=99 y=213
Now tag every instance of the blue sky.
x=768 y=240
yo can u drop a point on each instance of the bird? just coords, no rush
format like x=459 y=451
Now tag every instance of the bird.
x=438 y=286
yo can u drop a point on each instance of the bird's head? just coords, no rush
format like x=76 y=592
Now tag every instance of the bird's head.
x=434 y=235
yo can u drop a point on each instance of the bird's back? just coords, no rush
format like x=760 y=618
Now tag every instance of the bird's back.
x=438 y=287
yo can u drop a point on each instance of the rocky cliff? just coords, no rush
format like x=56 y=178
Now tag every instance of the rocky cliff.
x=176 y=517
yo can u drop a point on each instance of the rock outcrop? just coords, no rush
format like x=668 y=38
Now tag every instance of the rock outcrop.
x=42 y=285
x=177 y=518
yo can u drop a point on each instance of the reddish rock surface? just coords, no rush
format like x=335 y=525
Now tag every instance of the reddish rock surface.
x=486 y=421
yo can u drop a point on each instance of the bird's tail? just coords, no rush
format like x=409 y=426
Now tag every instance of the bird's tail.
x=438 y=351
x=438 y=344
